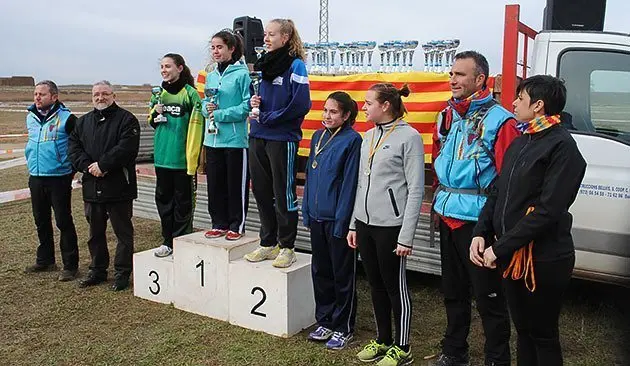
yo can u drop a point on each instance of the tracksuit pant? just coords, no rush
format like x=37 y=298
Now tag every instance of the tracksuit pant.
x=55 y=192
x=535 y=314
x=273 y=170
x=459 y=275
x=333 y=266
x=386 y=273
x=227 y=177
x=175 y=201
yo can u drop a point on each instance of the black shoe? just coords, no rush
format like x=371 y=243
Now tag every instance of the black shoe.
x=91 y=280
x=120 y=283
x=446 y=360
x=40 y=268
x=67 y=275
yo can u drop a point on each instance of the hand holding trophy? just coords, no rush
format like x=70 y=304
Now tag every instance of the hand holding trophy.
x=157 y=92
x=211 y=96
x=256 y=77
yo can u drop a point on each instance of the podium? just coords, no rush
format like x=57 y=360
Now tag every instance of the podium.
x=209 y=277
x=201 y=270
x=153 y=277
x=272 y=300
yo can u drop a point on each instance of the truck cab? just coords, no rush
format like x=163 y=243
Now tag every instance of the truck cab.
x=596 y=69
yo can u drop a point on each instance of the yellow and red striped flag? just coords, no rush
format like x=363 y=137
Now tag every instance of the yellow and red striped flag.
x=429 y=93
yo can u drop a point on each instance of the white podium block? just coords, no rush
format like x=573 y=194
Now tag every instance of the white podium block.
x=153 y=277
x=273 y=300
x=201 y=272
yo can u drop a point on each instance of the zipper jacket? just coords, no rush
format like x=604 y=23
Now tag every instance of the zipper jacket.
x=391 y=195
x=544 y=171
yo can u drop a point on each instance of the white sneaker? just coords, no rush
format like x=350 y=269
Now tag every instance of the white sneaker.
x=163 y=251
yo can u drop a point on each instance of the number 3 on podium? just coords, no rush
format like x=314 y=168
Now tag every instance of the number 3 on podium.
x=153 y=275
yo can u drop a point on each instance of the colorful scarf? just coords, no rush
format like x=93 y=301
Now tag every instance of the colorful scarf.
x=538 y=124
x=461 y=106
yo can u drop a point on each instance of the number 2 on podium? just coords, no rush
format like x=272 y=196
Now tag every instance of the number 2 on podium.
x=254 y=310
x=200 y=265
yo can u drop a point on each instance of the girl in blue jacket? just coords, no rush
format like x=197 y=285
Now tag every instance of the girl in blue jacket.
x=226 y=148
x=275 y=132
x=331 y=181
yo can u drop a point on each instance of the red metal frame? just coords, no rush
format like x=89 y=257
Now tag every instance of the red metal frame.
x=512 y=30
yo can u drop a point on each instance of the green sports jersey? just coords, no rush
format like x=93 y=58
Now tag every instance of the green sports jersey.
x=177 y=141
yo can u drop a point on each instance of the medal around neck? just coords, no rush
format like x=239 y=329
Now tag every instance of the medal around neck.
x=319 y=149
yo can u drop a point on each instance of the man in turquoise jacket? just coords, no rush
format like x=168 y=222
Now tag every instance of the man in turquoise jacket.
x=49 y=124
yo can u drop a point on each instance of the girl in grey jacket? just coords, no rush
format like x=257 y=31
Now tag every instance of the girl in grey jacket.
x=386 y=210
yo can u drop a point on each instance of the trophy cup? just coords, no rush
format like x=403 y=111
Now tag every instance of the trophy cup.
x=334 y=47
x=411 y=48
x=309 y=50
x=259 y=51
x=211 y=96
x=256 y=77
x=342 y=52
x=157 y=92
x=426 y=48
x=382 y=48
x=370 y=51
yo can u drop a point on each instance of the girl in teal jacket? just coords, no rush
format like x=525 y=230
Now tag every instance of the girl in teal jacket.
x=226 y=137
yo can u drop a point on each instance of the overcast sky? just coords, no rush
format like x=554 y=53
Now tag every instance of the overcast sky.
x=76 y=41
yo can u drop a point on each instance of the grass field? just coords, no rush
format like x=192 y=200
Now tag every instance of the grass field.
x=14 y=178
x=46 y=322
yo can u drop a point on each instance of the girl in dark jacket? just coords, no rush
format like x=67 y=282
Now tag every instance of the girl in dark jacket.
x=331 y=184
x=527 y=223
x=275 y=131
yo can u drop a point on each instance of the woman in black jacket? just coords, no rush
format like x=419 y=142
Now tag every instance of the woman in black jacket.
x=527 y=223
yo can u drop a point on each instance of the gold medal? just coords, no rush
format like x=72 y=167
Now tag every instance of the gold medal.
x=319 y=149
x=373 y=148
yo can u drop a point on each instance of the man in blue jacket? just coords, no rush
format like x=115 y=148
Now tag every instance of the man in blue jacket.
x=49 y=124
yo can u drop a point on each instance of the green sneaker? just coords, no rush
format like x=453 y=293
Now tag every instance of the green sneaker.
x=372 y=351
x=285 y=259
x=396 y=357
x=263 y=253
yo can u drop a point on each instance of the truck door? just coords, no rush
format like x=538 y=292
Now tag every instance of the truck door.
x=598 y=99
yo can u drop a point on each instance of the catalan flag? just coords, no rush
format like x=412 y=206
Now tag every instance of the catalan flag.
x=429 y=93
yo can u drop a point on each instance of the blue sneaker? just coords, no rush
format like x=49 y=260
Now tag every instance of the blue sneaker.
x=339 y=341
x=320 y=334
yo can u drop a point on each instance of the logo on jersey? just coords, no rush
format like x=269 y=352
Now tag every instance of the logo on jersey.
x=174 y=110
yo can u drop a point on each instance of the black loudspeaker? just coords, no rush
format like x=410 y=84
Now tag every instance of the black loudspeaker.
x=574 y=15
x=251 y=29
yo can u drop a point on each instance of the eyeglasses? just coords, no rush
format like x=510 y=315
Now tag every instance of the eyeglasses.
x=104 y=94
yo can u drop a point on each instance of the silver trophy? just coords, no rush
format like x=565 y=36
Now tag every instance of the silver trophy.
x=370 y=51
x=382 y=49
x=433 y=56
x=260 y=50
x=308 y=48
x=157 y=92
x=411 y=48
x=334 y=47
x=256 y=79
x=342 y=53
x=398 y=48
x=211 y=97
x=426 y=49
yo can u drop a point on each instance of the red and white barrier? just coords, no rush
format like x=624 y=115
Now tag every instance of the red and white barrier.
x=22 y=194
x=11 y=151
